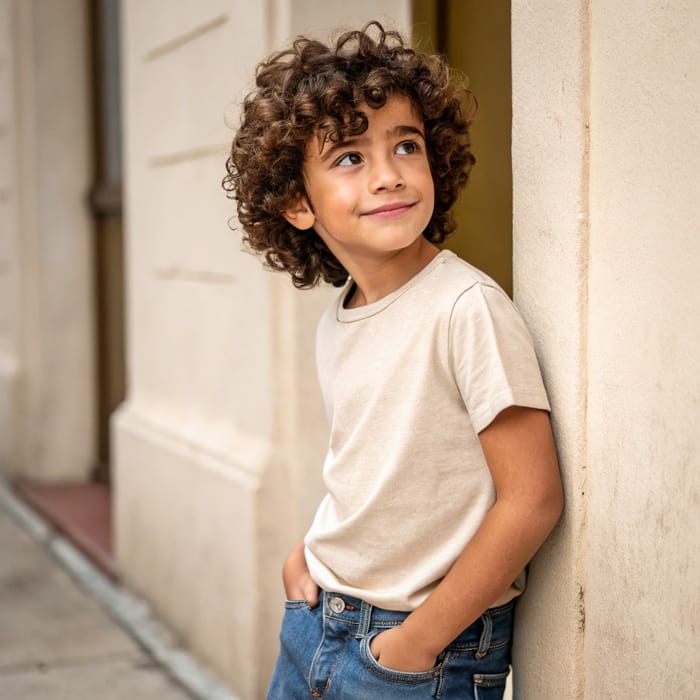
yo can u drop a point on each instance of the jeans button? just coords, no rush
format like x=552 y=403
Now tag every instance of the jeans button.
x=336 y=604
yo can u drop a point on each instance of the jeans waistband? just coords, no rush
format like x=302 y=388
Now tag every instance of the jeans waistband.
x=363 y=617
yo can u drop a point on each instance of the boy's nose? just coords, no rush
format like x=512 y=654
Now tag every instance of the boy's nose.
x=385 y=176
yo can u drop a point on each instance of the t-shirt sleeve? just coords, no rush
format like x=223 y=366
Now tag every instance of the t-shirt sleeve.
x=492 y=355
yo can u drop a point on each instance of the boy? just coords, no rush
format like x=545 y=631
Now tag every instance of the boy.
x=441 y=471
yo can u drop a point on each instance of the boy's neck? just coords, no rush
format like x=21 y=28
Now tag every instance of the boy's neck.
x=380 y=278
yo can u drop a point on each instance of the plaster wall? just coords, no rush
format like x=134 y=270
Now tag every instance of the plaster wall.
x=550 y=260
x=9 y=351
x=193 y=442
x=219 y=445
x=644 y=352
x=327 y=19
x=605 y=158
x=46 y=316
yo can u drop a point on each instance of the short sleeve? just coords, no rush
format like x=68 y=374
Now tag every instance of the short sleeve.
x=492 y=355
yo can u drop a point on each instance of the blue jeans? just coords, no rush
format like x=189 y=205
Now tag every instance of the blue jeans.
x=324 y=653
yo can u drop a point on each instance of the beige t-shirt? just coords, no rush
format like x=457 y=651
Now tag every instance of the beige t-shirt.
x=408 y=383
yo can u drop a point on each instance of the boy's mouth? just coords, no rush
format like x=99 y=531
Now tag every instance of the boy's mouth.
x=393 y=209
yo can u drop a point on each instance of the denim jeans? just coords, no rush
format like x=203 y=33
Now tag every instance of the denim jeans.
x=324 y=653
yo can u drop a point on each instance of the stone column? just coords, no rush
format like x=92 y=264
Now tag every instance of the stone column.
x=605 y=157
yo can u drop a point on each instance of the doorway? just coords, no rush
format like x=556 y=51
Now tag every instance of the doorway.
x=475 y=38
x=82 y=510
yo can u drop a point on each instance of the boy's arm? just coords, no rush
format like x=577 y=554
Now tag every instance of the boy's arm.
x=298 y=584
x=520 y=453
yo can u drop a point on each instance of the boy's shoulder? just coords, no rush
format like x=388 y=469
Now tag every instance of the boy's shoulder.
x=468 y=293
x=457 y=281
x=459 y=275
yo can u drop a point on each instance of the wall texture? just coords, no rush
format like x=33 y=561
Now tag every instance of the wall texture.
x=9 y=351
x=47 y=381
x=606 y=153
x=643 y=539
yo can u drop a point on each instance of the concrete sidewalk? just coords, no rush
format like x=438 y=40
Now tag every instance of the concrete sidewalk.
x=57 y=642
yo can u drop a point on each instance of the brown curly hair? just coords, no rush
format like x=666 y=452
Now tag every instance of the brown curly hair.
x=313 y=89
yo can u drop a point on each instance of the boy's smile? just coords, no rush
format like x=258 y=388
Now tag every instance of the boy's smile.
x=371 y=196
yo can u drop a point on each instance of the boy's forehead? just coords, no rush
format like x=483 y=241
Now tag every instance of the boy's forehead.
x=398 y=111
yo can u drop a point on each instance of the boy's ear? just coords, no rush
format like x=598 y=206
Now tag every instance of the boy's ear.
x=299 y=214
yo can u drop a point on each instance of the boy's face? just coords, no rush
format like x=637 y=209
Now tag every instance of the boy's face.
x=370 y=195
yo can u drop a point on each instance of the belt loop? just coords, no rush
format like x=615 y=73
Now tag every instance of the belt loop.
x=485 y=641
x=365 y=619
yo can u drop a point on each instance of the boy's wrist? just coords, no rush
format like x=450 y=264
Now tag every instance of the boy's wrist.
x=423 y=637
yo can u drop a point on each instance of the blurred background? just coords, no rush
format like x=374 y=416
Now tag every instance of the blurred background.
x=158 y=400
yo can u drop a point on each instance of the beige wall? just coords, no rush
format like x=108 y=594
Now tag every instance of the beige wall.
x=9 y=351
x=644 y=350
x=217 y=450
x=47 y=379
x=606 y=154
x=550 y=258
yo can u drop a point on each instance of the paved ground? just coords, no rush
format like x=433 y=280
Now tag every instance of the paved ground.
x=56 y=643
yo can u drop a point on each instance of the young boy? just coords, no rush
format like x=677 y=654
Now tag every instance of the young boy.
x=441 y=471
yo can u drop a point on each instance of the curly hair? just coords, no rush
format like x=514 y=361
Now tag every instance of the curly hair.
x=312 y=90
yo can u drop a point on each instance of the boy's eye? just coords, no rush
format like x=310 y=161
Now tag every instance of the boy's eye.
x=349 y=159
x=407 y=148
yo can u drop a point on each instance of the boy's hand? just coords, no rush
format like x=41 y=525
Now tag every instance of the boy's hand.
x=298 y=583
x=393 y=650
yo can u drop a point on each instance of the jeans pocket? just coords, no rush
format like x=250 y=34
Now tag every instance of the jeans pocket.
x=388 y=674
x=295 y=604
x=489 y=686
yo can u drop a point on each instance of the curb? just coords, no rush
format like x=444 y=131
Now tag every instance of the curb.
x=133 y=614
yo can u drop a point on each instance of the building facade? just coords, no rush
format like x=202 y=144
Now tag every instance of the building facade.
x=216 y=448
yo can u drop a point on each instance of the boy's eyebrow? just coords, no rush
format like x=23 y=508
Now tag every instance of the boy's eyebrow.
x=361 y=140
